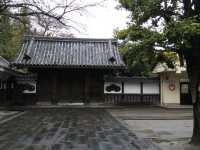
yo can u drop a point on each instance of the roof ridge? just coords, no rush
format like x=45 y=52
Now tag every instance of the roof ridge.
x=29 y=37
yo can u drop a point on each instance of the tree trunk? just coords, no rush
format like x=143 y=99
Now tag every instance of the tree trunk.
x=196 y=110
x=196 y=127
x=193 y=74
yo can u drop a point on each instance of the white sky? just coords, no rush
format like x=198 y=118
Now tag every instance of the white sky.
x=102 y=20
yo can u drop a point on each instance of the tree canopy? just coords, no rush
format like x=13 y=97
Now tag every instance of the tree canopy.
x=168 y=25
x=38 y=17
x=141 y=59
x=48 y=16
x=11 y=33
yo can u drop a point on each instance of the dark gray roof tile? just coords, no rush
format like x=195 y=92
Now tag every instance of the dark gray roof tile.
x=69 y=52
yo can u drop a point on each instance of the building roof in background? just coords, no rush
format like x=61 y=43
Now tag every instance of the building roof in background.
x=5 y=70
x=162 y=67
x=69 y=53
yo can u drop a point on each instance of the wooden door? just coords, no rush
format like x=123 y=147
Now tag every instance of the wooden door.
x=70 y=87
x=185 y=94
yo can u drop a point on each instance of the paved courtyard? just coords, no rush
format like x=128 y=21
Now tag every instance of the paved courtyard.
x=69 y=129
x=6 y=114
x=170 y=129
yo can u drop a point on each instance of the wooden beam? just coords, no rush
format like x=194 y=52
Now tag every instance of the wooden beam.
x=141 y=92
x=87 y=87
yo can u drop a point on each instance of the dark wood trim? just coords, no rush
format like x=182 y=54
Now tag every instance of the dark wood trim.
x=141 y=91
x=126 y=79
x=185 y=99
x=86 y=88
x=122 y=97
x=54 y=89
x=147 y=99
x=159 y=84
x=122 y=87
x=70 y=66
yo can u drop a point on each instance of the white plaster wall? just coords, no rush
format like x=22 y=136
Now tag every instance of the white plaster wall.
x=109 y=83
x=151 y=88
x=168 y=96
x=132 y=87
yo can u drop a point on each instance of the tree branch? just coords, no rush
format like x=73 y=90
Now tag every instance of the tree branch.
x=37 y=10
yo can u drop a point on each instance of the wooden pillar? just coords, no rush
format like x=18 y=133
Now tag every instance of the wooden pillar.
x=122 y=93
x=87 y=88
x=160 y=94
x=54 y=88
x=141 y=88
x=7 y=90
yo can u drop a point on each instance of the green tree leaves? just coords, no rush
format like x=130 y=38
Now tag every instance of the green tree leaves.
x=168 y=24
x=11 y=34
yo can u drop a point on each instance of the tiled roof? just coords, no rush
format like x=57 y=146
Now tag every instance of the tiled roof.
x=4 y=63
x=5 y=70
x=69 y=52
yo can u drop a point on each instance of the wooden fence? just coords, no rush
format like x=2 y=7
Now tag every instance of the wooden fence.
x=129 y=99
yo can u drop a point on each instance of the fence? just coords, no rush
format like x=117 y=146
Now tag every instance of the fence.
x=134 y=90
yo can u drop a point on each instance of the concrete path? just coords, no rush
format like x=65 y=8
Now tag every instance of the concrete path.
x=151 y=113
x=69 y=129
x=170 y=129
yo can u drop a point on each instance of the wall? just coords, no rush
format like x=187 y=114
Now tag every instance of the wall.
x=145 y=91
x=132 y=87
x=151 y=87
x=170 y=96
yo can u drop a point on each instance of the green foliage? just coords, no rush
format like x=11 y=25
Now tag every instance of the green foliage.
x=142 y=9
x=139 y=62
x=137 y=49
x=182 y=33
x=5 y=34
x=168 y=57
x=11 y=33
x=170 y=25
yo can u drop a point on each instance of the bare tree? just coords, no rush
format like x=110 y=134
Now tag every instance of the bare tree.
x=48 y=14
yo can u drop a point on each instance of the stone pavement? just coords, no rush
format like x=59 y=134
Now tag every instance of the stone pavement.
x=69 y=129
x=6 y=114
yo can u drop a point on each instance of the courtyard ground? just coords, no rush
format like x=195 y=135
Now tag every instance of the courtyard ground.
x=69 y=129
x=8 y=115
x=167 y=128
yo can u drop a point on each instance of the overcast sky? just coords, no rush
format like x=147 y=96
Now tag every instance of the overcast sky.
x=102 y=20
